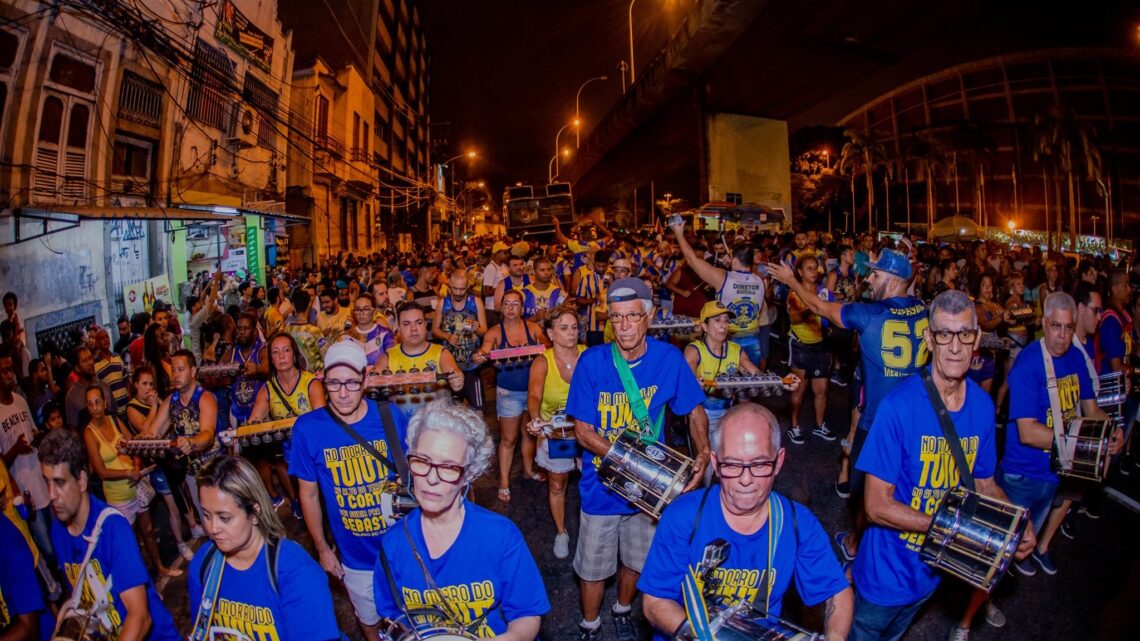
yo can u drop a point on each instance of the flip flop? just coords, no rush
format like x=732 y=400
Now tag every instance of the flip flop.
x=505 y=494
x=537 y=477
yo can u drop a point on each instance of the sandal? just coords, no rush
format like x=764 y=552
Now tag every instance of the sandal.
x=505 y=494
x=537 y=477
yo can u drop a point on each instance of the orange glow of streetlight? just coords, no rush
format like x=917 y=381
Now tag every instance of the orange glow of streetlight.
x=1011 y=224
x=471 y=154
x=566 y=152
x=577 y=122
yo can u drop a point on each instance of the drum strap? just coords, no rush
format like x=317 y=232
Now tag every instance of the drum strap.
x=965 y=475
x=446 y=605
x=86 y=575
x=210 y=588
x=399 y=460
x=1089 y=364
x=649 y=431
x=1065 y=448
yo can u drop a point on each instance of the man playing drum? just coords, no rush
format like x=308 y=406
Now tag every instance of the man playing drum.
x=770 y=538
x=909 y=467
x=601 y=407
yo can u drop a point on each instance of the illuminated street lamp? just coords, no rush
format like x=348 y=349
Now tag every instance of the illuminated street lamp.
x=632 y=71
x=551 y=173
x=1011 y=224
x=470 y=155
x=577 y=114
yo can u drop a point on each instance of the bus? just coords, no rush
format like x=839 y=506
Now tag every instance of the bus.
x=526 y=211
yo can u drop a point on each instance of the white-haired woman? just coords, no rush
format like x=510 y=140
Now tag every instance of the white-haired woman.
x=250 y=579
x=477 y=559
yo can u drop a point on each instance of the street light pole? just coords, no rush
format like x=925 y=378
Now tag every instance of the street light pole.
x=447 y=163
x=577 y=115
x=556 y=136
x=632 y=69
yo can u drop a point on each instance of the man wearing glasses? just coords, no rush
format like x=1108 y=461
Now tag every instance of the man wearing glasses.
x=610 y=525
x=910 y=466
x=771 y=540
x=330 y=463
x=1026 y=472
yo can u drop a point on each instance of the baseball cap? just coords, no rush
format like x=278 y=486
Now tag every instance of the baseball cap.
x=499 y=247
x=625 y=289
x=520 y=249
x=893 y=263
x=348 y=353
x=715 y=308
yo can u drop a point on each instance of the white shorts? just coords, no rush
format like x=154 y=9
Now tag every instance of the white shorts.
x=359 y=586
x=129 y=509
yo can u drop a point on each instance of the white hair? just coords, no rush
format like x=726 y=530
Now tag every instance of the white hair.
x=443 y=415
x=1059 y=301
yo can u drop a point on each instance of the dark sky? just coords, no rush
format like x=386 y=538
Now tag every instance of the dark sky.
x=505 y=73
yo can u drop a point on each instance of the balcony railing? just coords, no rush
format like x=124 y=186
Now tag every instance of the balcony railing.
x=329 y=144
x=140 y=101
x=360 y=154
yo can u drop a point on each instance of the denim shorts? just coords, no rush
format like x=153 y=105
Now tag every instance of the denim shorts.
x=1032 y=494
x=509 y=403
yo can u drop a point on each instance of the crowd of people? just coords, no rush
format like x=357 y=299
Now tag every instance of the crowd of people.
x=575 y=341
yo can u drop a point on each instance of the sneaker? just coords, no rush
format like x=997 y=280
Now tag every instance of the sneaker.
x=586 y=634
x=562 y=546
x=994 y=616
x=1087 y=511
x=1068 y=529
x=836 y=379
x=623 y=626
x=1126 y=469
x=824 y=433
x=278 y=501
x=1044 y=561
x=297 y=514
x=197 y=532
x=843 y=489
x=840 y=538
x=185 y=551
x=1025 y=568
x=959 y=634
x=795 y=435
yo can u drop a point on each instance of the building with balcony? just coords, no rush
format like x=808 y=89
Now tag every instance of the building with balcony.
x=139 y=140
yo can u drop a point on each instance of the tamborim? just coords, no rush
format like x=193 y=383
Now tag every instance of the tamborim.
x=649 y=475
x=742 y=623
x=1088 y=439
x=973 y=537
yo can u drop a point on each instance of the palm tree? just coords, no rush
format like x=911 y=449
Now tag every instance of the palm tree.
x=1063 y=144
x=975 y=145
x=862 y=154
x=931 y=159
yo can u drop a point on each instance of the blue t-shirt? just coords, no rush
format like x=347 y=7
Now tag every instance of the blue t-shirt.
x=890 y=339
x=19 y=589
x=488 y=572
x=1112 y=341
x=300 y=610
x=806 y=555
x=1029 y=398
x=906 y=448
x=598 y=399
x=351 y=480
x=117 y=561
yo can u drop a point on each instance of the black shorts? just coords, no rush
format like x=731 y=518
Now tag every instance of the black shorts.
x=857 y=477
x=812 y=359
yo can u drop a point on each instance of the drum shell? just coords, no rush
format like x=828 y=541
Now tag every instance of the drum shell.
x=737 y=623
x=1090 y=455
x=973 y=537
x=648 y=475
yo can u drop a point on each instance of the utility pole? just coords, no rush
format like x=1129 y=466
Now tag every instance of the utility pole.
x=622 y=66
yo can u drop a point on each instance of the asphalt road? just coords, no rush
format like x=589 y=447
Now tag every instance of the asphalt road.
x=1095 y=595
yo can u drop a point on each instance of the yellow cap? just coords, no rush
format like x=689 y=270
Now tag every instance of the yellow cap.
x=499 y=247
x=715 y=308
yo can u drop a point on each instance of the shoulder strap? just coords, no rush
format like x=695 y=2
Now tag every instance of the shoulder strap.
x=1065 y=450
x=272 y=562
x=1088 y=364
x=649 y=430
x=700 y=510
x=965 y=475
x=395 y=447
x=368 y=447
x=212 y=565
x=281 y=394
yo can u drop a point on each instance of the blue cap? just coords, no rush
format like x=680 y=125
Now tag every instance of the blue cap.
x=893 y=263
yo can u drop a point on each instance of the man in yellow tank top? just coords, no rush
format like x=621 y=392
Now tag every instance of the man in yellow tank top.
x=712 y=355
x=414 y=351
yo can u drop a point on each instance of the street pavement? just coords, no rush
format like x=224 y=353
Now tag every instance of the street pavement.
x=1094 y=596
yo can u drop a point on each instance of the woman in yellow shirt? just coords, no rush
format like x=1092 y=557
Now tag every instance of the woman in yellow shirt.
x=809 y=358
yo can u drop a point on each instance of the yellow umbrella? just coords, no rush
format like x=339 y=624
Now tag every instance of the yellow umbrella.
x=956 y=228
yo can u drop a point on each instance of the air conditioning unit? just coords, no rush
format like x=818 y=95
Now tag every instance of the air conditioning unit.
x=243 y=125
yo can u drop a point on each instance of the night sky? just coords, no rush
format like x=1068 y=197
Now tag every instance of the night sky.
x=505 y=72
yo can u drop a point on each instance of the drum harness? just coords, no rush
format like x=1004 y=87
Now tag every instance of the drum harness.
x=965 y=475
x=101 y=605
x=648 y=431
x=1065 y=449
x=213 y=565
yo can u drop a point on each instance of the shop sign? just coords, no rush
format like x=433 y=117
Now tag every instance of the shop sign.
x=238 y=33
x=140 y=296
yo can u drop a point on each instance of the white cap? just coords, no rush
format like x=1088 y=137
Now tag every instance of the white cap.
x=348 y=353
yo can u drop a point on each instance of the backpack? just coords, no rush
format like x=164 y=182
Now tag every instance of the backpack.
x=273 y=559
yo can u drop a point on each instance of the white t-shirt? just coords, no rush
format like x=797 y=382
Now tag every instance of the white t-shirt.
x=492 y=274
x=16 y=419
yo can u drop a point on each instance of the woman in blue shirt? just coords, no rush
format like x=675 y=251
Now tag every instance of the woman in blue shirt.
x=267 y=587
x=450 y=563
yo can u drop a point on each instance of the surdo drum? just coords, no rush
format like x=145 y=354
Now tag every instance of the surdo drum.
x=973 y=537
x=1088 y=439
x=648 y=475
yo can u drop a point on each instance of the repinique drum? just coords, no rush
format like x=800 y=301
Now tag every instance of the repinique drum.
x=81 y=625
x=648 y=475
x=1111 y=396
x=973 y=537
x=399 y=630
x=742 y=623
x=561 y=442
x=1088 y=438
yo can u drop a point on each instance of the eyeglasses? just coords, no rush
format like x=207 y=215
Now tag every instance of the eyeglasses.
x=352 y=386
x=946 y=336
x=757 y=469
x=1062 y=327
x=362 y=309
x=633 y=317
x=447 y=472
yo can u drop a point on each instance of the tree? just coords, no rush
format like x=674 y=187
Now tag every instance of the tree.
x=930 y=157
x=971 y=140
x=861 y=155
x=1064 y=144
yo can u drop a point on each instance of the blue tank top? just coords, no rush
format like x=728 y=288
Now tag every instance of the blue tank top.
x=514 y=376
x=244 y=388
x=452 y=322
